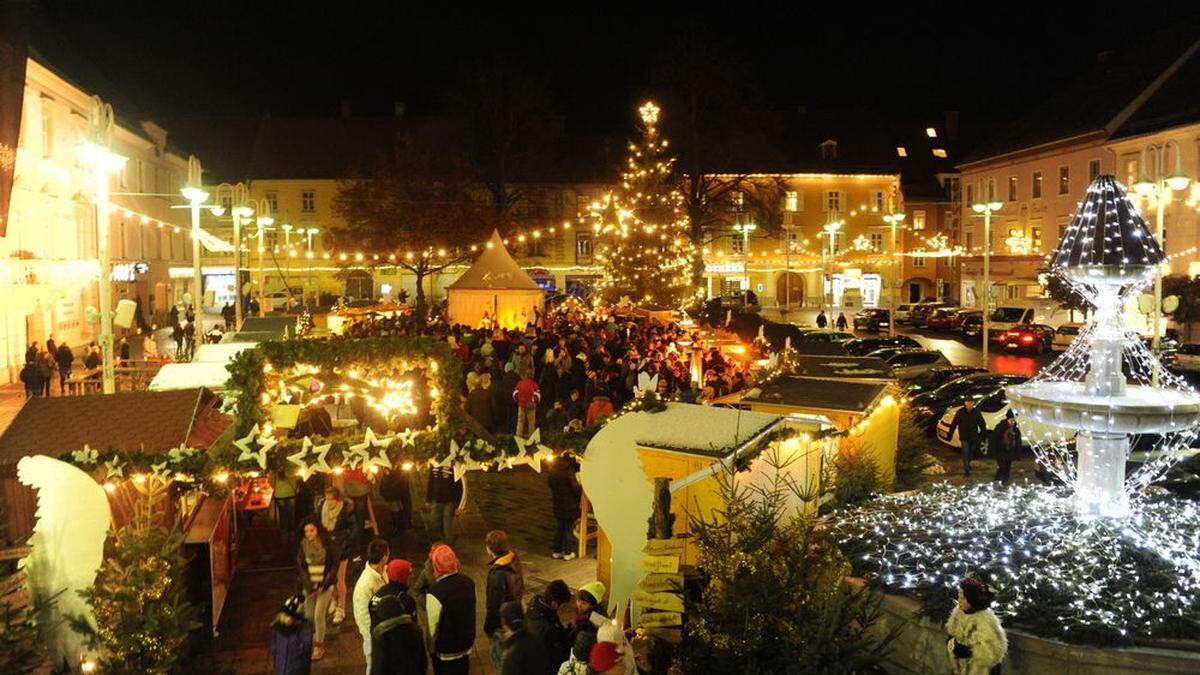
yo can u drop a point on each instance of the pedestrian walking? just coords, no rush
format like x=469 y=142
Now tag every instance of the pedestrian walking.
x=565 y=491
x=31 y=377
x=369 y=582
x=971 y=430
x=177 y=335
x=1005 y=445
x=450 y=610
x=397 y=645
x=521 y=652
x=841 y=321
x=505 y=583
x=977 y=641
x=337 y=517
x=291 y=651
x=46 y=369
x=316 y=561
x=446 y=498
x=822 y=320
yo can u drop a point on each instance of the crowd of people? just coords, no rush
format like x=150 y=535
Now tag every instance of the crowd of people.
x=44 y=363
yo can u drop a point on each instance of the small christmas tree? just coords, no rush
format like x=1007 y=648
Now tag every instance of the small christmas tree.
x=642 y=228
x=142 y=617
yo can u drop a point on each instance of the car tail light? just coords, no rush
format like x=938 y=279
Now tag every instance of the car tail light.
x=1027 y=339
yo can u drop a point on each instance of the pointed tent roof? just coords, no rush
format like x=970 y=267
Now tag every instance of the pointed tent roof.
x=1108 y=231
x=495 y=269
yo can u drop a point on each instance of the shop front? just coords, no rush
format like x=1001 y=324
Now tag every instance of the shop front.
x=852 y=288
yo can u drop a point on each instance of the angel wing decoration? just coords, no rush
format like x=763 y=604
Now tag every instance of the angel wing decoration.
x=73 y=518
x=647 y=383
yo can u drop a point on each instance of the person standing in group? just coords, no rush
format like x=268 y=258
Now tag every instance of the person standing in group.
x=397 y=646
x=450 y=610
x=446 y=498
x=526 y=396
x=1005 y=445
x=971 y=430
x=189 y=339
x=123 y=351
x=521 y=653
x=291 y=651
x=977 y=641
x=177 y=336
x=317 y=563
x=542 y=620
x=565 y=491
x=31 y=351
x=395 y=489
x=31 y=377
x=505 y=583
x=337 y=517
x=370 y=581
x=46 y=368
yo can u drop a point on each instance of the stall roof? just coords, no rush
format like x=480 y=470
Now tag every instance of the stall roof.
x=495 y=269
x=705 y=430
x=279 y=326
x=150 y=421
x=842 y=367
x=818 y=394
x=177 y=376
x=222 y=352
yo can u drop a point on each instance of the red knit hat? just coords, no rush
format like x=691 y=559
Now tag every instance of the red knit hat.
x=444 y=560
x=604 y=656
x=399 y=570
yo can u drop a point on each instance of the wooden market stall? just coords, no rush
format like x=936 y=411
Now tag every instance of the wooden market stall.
x=150 y=422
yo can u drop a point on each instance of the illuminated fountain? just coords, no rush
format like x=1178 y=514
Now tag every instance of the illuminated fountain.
x=1107 y=387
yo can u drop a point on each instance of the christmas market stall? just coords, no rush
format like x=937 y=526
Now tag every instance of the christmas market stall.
x=338 y=320
x=494 y=291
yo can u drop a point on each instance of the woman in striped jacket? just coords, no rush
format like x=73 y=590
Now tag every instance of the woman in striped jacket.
x=316 y=564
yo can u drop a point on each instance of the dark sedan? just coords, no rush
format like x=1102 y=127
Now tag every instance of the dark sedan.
x=936 y=377
x=872 y=320
x=1028 y=337
x=864 y=346
x=929 y=407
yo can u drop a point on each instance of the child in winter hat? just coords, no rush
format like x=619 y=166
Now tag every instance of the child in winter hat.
x=977 y=640
x=581 y=653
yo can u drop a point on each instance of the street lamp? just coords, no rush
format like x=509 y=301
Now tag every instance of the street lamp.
x=95 y=153
x=195 y=196
x=745 y=229
x=894 y=219
x=263 y=221
x=830 y=230
x=237 y=193
x=1160 y=187
x=986 y=209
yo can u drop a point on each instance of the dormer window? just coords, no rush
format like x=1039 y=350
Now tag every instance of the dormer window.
x=829 y=149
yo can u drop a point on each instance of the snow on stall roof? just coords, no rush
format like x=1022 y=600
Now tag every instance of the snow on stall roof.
x=703 y=429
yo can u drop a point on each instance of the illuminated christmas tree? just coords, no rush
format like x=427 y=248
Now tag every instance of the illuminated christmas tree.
x=642 y=228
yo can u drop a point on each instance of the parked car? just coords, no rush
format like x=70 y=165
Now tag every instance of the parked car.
x=960 y=317
x=1187 y=358
x=936 y=377
x=912 y=363
x=872 y=320
x=826 y=336
x=1064 y=336
x=921 y=312
x=941 y=319
x=994 y=408
x=928 y=407
x=886 y=353
x=902 y=313
x=1031 y=337
x=864 y=346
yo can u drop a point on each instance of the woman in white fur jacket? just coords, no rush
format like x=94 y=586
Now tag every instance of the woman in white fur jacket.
x=977 y=641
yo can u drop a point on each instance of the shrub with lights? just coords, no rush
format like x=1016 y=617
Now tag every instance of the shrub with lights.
x=1101 y=558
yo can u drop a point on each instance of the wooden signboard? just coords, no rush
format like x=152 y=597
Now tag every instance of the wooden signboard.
x=661 y=583
x=668 y=602
x=672 y=546
x=660 y=564
x=661 y=619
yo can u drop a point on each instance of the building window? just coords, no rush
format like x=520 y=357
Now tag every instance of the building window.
x=737 y=244
x=876 y=200
x=273 y=201
x=1064 y=180
x=919 y=262
x=737 y=201
x=918 y=221
x=833 y=200
x=901 y=151
x=308 y=201
x=970 y=241
x=1035 y=233
x=793 y=201
x=583 y=247
x=951 y=186
x=1012 y=188
x=1131 y=170
x=1093 y=170
x=940 y=153
x=1037 y=185
x=970 y=193
x=47 y=131
x=829 y=149
x=877 y=241
x=991 y=190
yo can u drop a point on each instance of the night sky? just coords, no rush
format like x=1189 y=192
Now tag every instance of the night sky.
x=913 y=61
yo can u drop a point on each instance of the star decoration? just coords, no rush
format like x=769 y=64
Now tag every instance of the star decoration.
x=449 y=459
x=265 y=443
x=407 y=438
x=114 y=468
x=177 y=455
x=375 y=441
x=359 y=453
x=86 y=456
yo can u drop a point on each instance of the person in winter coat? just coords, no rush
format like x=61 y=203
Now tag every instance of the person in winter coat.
x=450 y=610
x=337 y=517
x=398 y=647
x=600 y=408
x=543 y=622
x=581 y=652
x=291 y=651
x=505 y=583
x=590 y=611
x=31 y=351
x=556 y=417
x=445 y=498
x=822 y=321
x=561 y=476
x=396 y=490
x=971 y=430
x=841 y=321
x=372 y=579
x=977 y=641
x=480 y=402
x=46 y=368
x=316 y=563
x=520 y=653
x=31 y=377
x=1005 y=445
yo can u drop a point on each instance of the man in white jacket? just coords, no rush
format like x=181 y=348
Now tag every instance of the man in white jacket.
x=371 y=580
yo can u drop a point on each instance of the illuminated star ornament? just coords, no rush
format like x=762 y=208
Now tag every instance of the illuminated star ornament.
x=306 y=448
x=259 y=455
x=86 y=456
x=114 y=468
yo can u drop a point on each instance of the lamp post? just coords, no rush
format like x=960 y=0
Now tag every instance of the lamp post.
x=1160 y=187
x=94 y=152
x=893 y=219
x=830 y=231
x=745 y=229
x=237 y=193
x=195 y=196
x=987 y=209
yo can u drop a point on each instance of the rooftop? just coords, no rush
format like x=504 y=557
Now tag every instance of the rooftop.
x=705 y=430
x=818 y=394
x=841 y=367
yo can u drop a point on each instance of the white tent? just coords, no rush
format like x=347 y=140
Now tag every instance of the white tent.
x=494 y=287
x=189 y=376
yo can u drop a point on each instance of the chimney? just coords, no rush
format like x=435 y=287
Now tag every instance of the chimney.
x=398 y=109
x=950 y=119
x=346 y=108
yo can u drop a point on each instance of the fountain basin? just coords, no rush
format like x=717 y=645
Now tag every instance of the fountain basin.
x=1138 y=410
